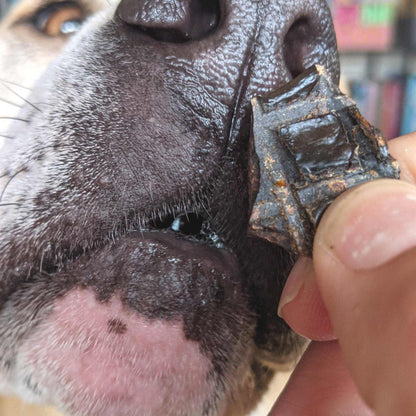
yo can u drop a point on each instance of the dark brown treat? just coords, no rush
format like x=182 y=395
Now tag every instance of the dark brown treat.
x=309 y=144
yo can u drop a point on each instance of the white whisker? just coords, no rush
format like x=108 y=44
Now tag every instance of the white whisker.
x=9 y=181
x=10 y=103
x=4 y=81
x=14 y=118
x=5 y=136
x=20 y=96
x=9 y=204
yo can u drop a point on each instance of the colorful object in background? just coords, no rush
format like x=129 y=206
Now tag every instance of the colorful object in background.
x=406 y=24
x=409 y=106
x=364 y=25
x=389 y=104
x=5 y=5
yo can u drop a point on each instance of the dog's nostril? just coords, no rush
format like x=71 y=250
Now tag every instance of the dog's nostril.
x=300 y=44
x=171 y=20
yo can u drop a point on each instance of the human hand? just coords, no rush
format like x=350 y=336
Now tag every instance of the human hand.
x=361 y=286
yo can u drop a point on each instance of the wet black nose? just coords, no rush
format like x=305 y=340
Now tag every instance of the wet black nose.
x=171 y=20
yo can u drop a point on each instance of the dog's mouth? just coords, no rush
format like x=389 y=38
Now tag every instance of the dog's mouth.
x=193 y=226
x=150 y=305
x=170 y=286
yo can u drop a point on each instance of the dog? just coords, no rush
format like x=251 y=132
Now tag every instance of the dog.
x=129 y=286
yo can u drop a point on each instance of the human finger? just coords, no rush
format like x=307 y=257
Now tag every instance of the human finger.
x=365 y=263
x=320 y=385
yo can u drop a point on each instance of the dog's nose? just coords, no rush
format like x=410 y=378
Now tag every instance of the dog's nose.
x=171 y=20
x=309 y=40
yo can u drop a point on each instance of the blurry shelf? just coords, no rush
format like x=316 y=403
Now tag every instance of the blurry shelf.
x=377 y=53
x=360 y=64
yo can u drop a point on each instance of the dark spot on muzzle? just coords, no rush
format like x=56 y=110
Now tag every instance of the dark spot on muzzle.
x=116 y=326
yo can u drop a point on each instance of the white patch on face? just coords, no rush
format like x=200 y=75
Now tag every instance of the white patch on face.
x=112 y=361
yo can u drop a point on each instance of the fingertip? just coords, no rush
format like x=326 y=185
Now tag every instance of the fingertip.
x=403 y=149
x=368 y=225
x=320 y=385
x=301 y=305
x=296 y=280
x=364 y=258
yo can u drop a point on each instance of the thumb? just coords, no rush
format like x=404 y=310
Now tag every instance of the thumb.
x=365 y=264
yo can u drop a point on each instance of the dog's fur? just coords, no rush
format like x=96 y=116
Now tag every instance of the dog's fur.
x=125 y=131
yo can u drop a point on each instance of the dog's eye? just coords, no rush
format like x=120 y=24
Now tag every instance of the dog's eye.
x=60 y=18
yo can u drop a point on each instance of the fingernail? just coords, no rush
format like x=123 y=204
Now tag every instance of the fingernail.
x=371 y=225
x=295 y=282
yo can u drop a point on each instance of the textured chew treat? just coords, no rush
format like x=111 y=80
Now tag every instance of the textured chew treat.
x=309 y=144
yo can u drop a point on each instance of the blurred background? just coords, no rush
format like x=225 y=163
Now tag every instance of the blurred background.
x=4 y=5
x=377 y=44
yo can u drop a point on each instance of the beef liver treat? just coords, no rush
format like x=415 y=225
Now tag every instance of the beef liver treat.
x=309 y=144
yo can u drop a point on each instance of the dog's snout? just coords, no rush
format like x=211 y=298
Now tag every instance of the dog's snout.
x=171 y=20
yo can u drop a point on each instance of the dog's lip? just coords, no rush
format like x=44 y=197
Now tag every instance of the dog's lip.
x=193 y=247
x=162 y=254
x=204 y=243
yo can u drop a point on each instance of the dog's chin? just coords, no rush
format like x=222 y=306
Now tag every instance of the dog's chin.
x=104 y=360
x=106 y=348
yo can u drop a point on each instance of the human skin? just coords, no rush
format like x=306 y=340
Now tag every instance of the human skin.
x=357 y=295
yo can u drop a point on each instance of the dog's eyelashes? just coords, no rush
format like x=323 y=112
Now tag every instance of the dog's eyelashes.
x=59 y=18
